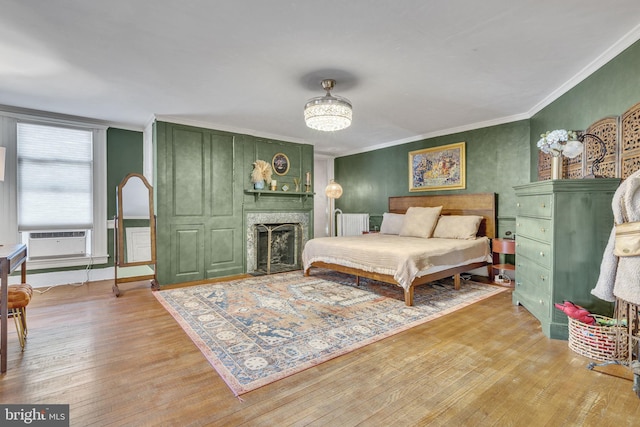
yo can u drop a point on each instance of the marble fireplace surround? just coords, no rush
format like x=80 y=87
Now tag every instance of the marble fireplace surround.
x=253 y=218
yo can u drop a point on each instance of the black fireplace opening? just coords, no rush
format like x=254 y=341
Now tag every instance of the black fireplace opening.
x=278 y=247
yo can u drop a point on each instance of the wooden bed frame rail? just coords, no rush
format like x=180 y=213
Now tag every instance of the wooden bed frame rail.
x=483 y=204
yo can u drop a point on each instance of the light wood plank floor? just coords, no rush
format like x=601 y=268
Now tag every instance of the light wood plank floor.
x=126 y=362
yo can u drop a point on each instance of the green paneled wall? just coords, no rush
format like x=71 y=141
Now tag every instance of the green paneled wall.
x=497 y=159
x=204 y=192
x=124 y=155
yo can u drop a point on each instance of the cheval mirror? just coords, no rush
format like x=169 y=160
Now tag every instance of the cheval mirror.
x=134 y=233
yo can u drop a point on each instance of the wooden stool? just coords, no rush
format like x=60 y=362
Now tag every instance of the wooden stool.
x=19 y=298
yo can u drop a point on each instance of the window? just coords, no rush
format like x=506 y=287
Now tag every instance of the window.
x=55 y=189
x=55 y=183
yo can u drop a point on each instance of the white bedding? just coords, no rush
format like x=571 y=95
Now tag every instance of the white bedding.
x=404 y=258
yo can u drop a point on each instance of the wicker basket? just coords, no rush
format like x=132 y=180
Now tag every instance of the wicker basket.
x=598 y=342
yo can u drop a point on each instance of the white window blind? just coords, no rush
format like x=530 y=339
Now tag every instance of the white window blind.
x=55 y=178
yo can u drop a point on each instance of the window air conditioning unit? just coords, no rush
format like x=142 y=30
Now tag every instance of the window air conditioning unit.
x=54 y=244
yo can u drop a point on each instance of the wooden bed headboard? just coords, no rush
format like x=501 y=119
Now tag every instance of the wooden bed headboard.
x=483 y=204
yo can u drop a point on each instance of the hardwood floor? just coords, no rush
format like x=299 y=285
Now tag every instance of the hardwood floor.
x=126 y=362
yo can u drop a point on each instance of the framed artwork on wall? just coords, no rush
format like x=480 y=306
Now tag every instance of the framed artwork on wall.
x=280 y=164
x=438 y=168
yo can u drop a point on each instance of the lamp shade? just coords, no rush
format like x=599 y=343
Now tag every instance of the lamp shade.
x=328 y=113
x=3 y=152
x=333 y=190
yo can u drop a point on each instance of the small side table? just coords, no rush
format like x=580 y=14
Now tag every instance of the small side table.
x=10 y=258
x=502 y=246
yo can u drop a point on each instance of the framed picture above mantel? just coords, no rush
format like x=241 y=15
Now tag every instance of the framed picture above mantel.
x=280 y=164
x=438 y=168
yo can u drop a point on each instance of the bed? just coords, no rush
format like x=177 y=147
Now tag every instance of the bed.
x=406 y=259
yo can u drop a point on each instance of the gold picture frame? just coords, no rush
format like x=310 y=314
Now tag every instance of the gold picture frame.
x=280 y=164
x=438 y=168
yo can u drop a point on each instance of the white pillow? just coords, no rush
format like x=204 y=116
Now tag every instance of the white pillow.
x=457 y=227
x=391 y=223
x=420 y=222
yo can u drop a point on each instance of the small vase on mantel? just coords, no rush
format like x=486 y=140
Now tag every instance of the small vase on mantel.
x=259 y=185
x=556 y=167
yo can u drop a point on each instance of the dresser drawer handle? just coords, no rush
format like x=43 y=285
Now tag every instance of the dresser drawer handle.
x=518 y=205
x=543 y=230
x=542 y=205
x=542 y=278
x=541 y=302
x=541 y=254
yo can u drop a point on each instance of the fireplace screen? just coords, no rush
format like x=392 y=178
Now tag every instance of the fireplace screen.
x=278 y=248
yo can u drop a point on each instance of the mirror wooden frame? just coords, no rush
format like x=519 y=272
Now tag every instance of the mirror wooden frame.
x=119 y=236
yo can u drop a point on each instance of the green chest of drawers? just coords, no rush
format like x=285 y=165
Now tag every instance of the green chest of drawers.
x=562 y=228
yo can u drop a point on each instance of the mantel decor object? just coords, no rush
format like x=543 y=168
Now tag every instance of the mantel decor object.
x=261 y=172
x=307 y=184
x=280 y=164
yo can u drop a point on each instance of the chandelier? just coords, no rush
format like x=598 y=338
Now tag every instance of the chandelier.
x=328 y=113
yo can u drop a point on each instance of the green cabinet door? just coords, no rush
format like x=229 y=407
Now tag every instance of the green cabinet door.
x=199 y=231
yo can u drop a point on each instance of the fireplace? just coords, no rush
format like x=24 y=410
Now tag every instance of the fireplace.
x=278 y=248
x=275 y=241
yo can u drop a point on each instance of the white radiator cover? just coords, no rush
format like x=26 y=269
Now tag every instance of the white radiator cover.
x=53 y=244
x=352 y=224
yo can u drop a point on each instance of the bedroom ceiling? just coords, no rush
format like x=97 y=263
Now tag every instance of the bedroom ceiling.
x=412 y=69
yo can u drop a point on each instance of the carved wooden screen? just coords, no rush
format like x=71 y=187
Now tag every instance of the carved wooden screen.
x=544 y=166
x=621 y=136
x=630 y=147
x=607 y=130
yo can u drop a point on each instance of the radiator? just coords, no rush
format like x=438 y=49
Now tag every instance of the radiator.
x=56 y=243
x=351 y=224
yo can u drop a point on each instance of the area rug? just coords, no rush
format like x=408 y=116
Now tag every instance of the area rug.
x=258 y=330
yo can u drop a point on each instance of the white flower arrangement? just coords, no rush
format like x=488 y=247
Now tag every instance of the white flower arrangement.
x=560 y=142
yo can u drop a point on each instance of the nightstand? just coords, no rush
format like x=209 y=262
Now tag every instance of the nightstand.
x=502 y=246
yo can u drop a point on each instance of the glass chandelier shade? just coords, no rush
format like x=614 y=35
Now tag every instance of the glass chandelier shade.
x=328 y=113
x=333 y=190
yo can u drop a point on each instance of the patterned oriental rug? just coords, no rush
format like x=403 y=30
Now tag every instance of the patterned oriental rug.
x=258 y=330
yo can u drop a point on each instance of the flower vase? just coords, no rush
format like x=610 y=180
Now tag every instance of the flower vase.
x=556 y=167
x=259 y=185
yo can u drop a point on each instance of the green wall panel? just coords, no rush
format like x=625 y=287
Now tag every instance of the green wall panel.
x=188 y=155
x=222 y=180
x=187 y=253
x=222 y=241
